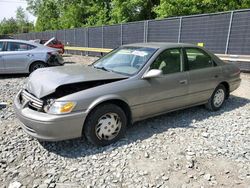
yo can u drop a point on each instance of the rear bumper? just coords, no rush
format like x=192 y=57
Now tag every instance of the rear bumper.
x=49 y=127
x=55 y=60
x=234 y=84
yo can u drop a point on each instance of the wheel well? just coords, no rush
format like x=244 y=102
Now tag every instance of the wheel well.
x=123 y=105
x=34 y=63
x=226 y=85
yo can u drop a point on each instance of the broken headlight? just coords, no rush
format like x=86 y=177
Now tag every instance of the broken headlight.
x=56 y=107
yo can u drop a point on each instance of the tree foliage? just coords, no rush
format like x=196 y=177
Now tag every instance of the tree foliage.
x=168 y=8
x=48 y=16
x=8 y=26
x=19 y=24
x=132 y=10
x=62 y=14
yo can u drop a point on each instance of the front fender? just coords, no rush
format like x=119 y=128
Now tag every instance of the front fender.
x=103 y=99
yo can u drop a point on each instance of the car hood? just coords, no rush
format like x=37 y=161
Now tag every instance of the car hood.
x=46 y=43
x=43 y=82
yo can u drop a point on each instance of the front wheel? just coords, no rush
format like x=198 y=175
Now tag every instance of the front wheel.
x=217 y=99
x=105 y=125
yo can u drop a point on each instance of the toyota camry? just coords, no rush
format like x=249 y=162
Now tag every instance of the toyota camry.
x=131 y=83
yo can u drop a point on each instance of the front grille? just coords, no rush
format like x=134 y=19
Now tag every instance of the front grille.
x=31 y=100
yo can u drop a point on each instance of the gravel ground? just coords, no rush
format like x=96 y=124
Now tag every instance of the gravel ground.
x=187 y=148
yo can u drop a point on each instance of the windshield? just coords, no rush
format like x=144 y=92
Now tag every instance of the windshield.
x=125 y=60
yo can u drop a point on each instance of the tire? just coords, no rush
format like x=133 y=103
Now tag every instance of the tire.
x=217 y=99
x=37 y=65
x=106 y=124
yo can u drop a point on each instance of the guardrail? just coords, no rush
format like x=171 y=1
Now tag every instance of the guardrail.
x=86 y=49
x=243 y=61
x=234 y=58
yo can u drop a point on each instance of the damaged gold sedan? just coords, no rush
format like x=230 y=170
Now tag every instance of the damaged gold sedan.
x=131 y=83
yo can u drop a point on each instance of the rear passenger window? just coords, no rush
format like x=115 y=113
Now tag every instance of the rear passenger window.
x=1 y=46
x=168 y=61
x=16 y=46
x=197 y=59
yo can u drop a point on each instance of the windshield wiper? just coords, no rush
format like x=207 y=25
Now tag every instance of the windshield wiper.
x=102 y=68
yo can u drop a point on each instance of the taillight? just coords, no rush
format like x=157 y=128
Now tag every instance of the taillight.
x=52 y=53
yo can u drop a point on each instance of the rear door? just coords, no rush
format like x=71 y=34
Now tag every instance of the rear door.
x=17 y=57
x=1 y=57
x=203 y=74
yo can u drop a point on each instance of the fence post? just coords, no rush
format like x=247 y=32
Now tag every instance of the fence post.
x=229 y=31
x=74 y=37
x=180 y=27
x=121 y=34
x=146 y=31
x=102 y=37
x=75 y=52
x=87 y=40
x=64 y=36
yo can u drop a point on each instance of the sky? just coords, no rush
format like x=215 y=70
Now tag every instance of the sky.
x=8 y=8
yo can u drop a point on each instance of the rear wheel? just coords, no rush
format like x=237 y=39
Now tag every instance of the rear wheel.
x=217 y=99
x=37 y=65
x=105 y=125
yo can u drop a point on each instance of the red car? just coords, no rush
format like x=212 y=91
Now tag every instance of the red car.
x=53 y=43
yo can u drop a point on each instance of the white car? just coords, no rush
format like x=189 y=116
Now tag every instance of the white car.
x=19 y=56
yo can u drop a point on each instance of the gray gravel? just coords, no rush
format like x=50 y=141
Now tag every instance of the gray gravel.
x=187 y=148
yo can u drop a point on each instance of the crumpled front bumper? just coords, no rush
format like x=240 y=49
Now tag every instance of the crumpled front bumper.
x=49 y=127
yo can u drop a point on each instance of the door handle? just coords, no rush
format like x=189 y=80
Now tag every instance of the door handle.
x=216 y=76
x=29 y=55
x=183 y=81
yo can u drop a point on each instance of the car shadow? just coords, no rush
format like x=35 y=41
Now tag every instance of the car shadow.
x=8 y=76
x=69 y=62
x=144 y=129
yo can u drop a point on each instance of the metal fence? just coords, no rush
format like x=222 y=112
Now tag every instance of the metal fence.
x=222 y=33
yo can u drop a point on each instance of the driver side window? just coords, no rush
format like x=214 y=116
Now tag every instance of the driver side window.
x=169 y=61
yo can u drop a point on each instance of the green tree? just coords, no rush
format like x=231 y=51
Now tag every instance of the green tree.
x=71 y=17
x=63 y=14
x=21 y=17
x=34 y=6
x=19 y=24
x=8 y=26
x=132 y=10
x=24 y=25
x=99 y=12
x=168 y=8
x=47 y=16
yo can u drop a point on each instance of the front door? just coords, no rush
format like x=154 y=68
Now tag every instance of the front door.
x=169 y=91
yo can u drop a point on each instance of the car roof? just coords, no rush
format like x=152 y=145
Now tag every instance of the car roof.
x=161 y=45
x=14 y=40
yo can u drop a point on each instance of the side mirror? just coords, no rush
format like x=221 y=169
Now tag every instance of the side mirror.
x=153 y=73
